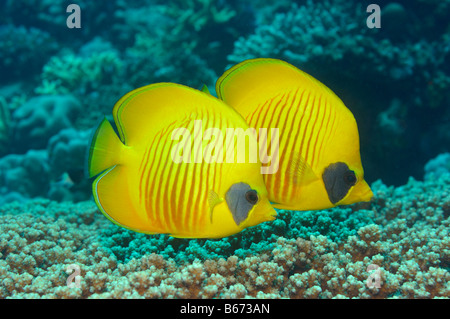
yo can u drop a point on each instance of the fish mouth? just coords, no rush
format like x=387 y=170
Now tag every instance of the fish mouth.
x=266 y=214
x=366 y=193
x=272 y=214
x=360 y=193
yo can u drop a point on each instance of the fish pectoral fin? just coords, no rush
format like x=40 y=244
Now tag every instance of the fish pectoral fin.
x=213 y=200
x=205 y=89
x=301 y=172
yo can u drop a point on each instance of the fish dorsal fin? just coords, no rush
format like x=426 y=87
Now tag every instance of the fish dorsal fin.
x=257 y=80
x=213 y=200
x=145 y=111
x=300 y=172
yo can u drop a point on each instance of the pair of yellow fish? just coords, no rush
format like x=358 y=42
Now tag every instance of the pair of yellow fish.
x=143 y=188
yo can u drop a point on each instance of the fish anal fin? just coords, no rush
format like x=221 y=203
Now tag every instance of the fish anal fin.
x=111 y=193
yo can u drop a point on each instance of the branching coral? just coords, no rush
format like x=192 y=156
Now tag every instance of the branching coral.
x=403 y=253
x=72 y=73
x=199 y=13
x=335 y=34
x=336 y=224
x=437 y=166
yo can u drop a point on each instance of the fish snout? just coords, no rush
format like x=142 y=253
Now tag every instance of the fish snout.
x=361 y=192
x=365 y=192
x=264 y=212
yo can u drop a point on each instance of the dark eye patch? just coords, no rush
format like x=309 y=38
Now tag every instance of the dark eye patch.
x=350 y=178
x=338 y=180
x=240 y=199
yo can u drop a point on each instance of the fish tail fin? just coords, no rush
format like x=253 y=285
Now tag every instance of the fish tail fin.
x=105 y=149
x=106 y=158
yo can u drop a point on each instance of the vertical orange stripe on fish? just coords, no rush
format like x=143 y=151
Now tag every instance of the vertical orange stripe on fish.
x=192 y=181
x=159 y=196
x=327 y=130
x=166 y=185
x=319 y=135
x=143 y=176
x=152 y=177
x=265 y=121
x=306 y=116
x=289 y=141
x=200 y=198
x=313 y=131
x=292 y=124
x=281 y=107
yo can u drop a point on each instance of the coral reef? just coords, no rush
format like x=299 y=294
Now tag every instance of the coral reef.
x=150 y=57
x=438 y=166
x=5 y=123
x=80 y=74
x=334 y=33
x=24 y=176
x=51 y=15
x=401 y=250
x=36 y=121
x=67 y=150
x=56 y=172
x=336 y=224
x=66 y=158
x=18 y=54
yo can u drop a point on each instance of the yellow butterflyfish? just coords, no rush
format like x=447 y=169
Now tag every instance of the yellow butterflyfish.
x=319 y=157
x=155 y=177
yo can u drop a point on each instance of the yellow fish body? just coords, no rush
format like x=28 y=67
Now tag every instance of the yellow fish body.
x=319 y=159
x=152 y=182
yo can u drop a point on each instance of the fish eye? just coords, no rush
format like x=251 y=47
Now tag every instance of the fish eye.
x=350 y=178
x=251 y=196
